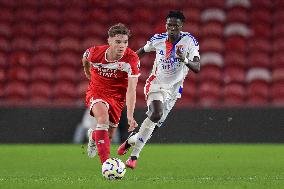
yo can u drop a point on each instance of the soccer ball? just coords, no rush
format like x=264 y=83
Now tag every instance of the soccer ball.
x=113 y=168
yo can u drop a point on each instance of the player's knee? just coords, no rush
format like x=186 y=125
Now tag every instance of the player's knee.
x=156 y=116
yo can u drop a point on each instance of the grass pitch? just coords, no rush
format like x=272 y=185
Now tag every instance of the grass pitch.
x=177 y=166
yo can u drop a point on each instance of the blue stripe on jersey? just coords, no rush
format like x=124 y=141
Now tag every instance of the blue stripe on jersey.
x=180 y=90
x=192 y=37
x=158 y=36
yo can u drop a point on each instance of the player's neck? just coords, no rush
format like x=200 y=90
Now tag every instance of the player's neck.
x=112 y=56
x=174 y=39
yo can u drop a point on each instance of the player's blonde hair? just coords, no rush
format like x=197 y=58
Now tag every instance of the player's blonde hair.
x=118 y=29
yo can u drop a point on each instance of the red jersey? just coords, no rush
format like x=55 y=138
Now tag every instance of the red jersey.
x=110 y=78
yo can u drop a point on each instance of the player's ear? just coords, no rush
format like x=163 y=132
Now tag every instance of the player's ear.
x=108 y=41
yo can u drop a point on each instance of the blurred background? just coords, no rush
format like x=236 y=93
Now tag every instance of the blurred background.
x=237 y=97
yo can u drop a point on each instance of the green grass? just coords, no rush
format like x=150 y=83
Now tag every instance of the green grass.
x=160 y=166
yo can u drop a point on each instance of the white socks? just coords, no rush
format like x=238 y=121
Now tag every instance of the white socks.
x=143 y=136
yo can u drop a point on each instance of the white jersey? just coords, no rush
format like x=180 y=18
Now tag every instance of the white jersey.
x=168 y=71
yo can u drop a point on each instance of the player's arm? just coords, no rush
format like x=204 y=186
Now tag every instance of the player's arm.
x=86 y=65
x=141 y=52
x=193 y=64
x=130 y=101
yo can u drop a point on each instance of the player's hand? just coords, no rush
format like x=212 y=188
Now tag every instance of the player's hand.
x=180 y=54
x=132 y=124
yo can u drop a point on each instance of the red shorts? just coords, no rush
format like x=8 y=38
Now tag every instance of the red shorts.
x=114 y=106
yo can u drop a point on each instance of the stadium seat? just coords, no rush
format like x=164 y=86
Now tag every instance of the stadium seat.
x=16 y=91
x=278 y=75
x=212 y=29
x=213 y=15
x=40 y=92
x=260 y=15
x=278 y=60
x=69 y=59
x=214 y=4
x=74 y=14
x=278 y=16
x=23 y=29
x=94 y=30
x=4 y=45
x=234 y=94
x=193 y=13
x=210 y=72
x=237 y=15
x=236 y=43
x=81 y=90
x=64 y=92
x=6 y=30
x=255 y=74
x=210 y=58
x=6 y=15
x=18 y=74
x=261 y=30
x=259 y=45
x=47 y=30
x=277 y=93
x=97 y=13
x=234 y=74
x=49 y=15
x=262 y=3
x=260 y=60
x=26 y=15
x=237 y=30
x=209 y=94
x=3 y=61
x=2 y=76
x=42 y=74
x=192 y=28
x=258 y=93
x=71 y=29
x=45 y=44
x=278 y=30
x=142 y=29
x=23 y=44
x=92 y=41
x=69 y=44
x=44 y=59
x=122 y=15
x=233 y=58
x=189 y=91
x=212 y=44
x=68 y=74
x=28 y=4
x=278 y=45
x=19 y=59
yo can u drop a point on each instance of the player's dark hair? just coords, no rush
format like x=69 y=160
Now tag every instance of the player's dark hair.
x=118 y=29
x=176 y=14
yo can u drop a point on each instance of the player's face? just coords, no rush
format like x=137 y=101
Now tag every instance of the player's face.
x=173 y=26
x=118 y=44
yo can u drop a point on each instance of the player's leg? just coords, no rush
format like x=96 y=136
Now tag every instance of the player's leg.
x=100 y=135
x=155 y=113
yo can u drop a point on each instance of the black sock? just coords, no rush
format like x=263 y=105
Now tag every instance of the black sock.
x=133 y=157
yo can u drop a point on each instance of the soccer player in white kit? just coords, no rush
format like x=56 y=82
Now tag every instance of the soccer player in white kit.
x=177 y=52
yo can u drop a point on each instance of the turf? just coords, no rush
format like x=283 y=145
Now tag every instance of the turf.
x=226 y=166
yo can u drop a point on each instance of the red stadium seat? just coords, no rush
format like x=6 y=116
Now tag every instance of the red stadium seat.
x=71 y=29
x=259 y=45
x=8 y=3
x=233 y=58
x=261 y=30
x=260 y=15
x=19 y=58
x=121 y=15
x=49 y=15
x=255 y=74
x=26 y=15
x=97 y=13
x=278 y=75
x=279 y=4
x=92 y=41
x=23 y=29
x=258 y=93
x=46 y=44
x=277 y=93
x=236 y=43
x=74 y=14
x=16 y=91
x=3 y=61
x=81 y=89
x=262 y=3
x=209 y=94
x=23 y=44
x=142 y=29
x=68 y=74
x=210 y=72
x=214 y=4
x=259 y=59
x=234 y=94
x=278 y=45
x=6 y=15
x=6 y=30
x=2 y=76
x=4 y=45
x=69 y=59
x=278 y=60
x=193 y=14
x=42 y=74
x=189 y=91
x=237 y=14
x=40 y=92
x=278 y=30
x=278 y=16
x=143 y=15
x=47 y=30
x=69 y=44
x=43 y=59
x=192 y=28
x=212 y=29
x=18 y=74
x=212 y=44
x=234 y=74
x=28 y=4
x=64 y=92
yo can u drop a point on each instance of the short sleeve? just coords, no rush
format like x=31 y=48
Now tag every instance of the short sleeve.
x=193 y=51
x=149 y=46
x=135 y=66
x=88 y=54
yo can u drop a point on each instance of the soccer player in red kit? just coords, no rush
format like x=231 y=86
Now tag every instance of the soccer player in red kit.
x=113 y=71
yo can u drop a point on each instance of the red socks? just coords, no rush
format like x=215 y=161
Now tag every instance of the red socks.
x=103 y=143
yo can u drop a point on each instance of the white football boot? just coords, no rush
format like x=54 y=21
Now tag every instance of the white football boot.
x=92 y=148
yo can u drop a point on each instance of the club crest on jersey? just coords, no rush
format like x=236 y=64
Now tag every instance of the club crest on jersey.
x=180 y=47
